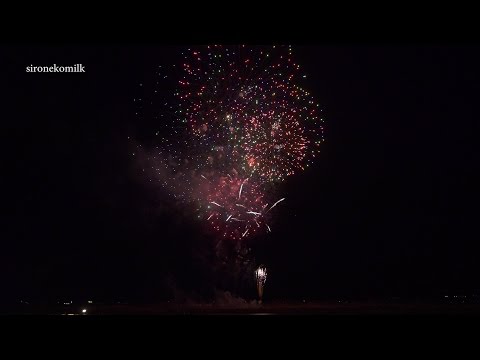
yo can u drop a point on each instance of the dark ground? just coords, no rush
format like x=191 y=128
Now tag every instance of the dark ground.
x=317 y=308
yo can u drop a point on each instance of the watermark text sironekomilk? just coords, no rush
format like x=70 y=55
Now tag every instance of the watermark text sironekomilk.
x=54 y=69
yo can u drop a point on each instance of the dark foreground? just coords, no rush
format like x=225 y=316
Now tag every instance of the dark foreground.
x=255 y=309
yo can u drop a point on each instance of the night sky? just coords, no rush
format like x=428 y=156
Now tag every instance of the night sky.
x=390 y=207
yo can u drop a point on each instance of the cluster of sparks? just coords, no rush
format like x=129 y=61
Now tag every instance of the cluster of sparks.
x=261 y=275
x=240 y=122
x=245 y=100
x=237 y=207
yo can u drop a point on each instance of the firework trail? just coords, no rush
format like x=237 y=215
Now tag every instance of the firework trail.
x=275 y=204
x=241 y=187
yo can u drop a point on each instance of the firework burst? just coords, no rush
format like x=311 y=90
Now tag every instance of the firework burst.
x=236 y=122
x=261 y=277
x=244 y=101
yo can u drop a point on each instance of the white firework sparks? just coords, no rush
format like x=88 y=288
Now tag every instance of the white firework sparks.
x=275 y=204
x=241 y=187
x=261 y=274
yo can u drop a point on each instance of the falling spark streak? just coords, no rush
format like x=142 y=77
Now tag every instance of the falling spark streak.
x=241 y=205
x=237 y=219
x=275 y=204
x=254 y=213
x=204 y=177
x=268 y=227
x=245 y=233
x=241 y=187
x=210 y=217
x=214 y=203
x=229 y=217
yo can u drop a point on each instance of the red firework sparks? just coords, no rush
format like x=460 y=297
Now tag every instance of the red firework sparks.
x=237 y=208
x=247 y=101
